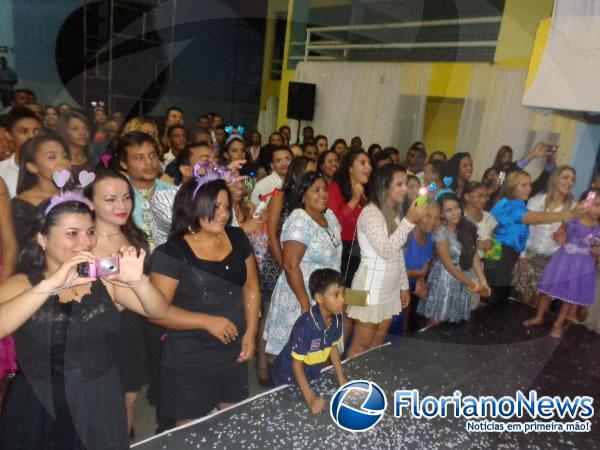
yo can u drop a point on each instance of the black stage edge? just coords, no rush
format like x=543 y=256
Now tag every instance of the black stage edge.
x=493 y=354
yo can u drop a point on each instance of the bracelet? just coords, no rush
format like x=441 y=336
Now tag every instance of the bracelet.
x=57 y=290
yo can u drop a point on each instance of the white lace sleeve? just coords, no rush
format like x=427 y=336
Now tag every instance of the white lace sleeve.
x=372 y=224
x=403 y=275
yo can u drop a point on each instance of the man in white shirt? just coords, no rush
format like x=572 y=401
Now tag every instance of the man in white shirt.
x=177 y=138
x=280 y=161
x=22 y=124
x=162 y=202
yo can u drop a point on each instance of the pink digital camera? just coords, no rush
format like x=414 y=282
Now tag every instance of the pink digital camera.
x=589 y=199
x=101 y=267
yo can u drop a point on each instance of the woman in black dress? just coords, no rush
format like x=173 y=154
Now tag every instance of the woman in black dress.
x=41 y=156
x=67 y=394
x=207 y=272
x=113 y=199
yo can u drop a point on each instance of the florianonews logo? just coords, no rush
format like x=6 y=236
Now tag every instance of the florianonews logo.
x=358 y=418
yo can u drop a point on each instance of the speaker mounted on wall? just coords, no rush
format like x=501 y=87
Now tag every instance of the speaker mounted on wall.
x=301 y=101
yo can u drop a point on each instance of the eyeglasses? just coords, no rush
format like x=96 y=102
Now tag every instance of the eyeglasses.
x=282 y=160
x=334 y=240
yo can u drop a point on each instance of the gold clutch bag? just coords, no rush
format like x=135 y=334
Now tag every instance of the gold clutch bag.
x=356 y=297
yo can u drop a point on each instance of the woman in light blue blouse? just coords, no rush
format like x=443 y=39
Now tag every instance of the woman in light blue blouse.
x=512 y=231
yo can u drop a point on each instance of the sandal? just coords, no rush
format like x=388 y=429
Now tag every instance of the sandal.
x=264 y=381
x=557 y=331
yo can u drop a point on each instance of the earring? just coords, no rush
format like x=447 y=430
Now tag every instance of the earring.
x=189 y=228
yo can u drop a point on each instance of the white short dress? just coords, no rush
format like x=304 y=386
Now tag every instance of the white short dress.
x=382 y=270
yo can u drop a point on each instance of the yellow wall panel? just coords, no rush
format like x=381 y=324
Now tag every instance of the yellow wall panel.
x=441 y=124
x=517 y=29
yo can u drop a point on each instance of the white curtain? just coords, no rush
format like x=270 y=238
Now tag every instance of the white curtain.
x=267 y=119
x=380 y=102
x=493 y=116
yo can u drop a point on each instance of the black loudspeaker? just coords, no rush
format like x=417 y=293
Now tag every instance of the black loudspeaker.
x=301 y=101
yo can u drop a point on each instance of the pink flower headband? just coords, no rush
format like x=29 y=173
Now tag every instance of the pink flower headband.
x=61 y=178
x=206 y=172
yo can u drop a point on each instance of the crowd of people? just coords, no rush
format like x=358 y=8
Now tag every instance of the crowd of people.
x=171 y=253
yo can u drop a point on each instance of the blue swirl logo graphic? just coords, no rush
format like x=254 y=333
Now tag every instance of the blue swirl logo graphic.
x=351 y=418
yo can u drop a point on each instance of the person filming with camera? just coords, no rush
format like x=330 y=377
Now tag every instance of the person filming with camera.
x=66 y=328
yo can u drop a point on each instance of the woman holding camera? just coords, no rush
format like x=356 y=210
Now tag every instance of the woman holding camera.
x=65 y=325
x=112 y=196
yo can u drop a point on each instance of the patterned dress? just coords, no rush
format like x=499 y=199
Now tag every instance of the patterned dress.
x=323 y=250
x=447 y=298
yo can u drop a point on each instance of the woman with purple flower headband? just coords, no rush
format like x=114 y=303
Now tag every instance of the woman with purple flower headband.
x=67 y=393
x=208 y=274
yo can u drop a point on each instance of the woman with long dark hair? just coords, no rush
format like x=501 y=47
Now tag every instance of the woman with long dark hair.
x=504 y=158
x=74 y=128
x=382 y=232
x=311 y=240
x=208 y=274
x=112 y=197
x=328 y=164
x=41 y=157
x=460 y=169
x=456 y=272
x=65 y=324
x=347 y=196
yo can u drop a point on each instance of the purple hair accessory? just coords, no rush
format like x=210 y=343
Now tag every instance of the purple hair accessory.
x=207 y=172
x=60 y=178
x=86 y=178
x=105 y=160
x=69 y=196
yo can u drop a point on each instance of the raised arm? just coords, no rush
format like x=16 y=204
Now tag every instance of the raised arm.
x=19 y=300
x=372 y=224
x=139 y=294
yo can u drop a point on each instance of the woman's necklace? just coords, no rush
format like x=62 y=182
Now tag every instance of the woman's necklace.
x=319 y=218
x=106 y=235
x=216 y=242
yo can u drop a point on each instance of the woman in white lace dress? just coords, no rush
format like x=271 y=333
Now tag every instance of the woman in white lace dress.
x=381 y=234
